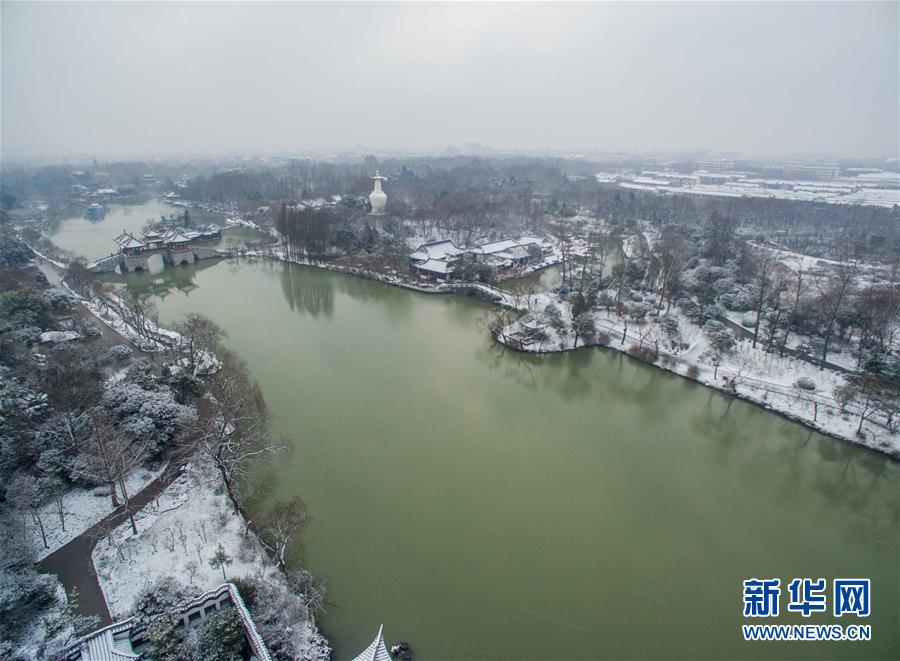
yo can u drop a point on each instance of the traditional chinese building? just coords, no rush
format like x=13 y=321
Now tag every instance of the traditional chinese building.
x=126 y=640
x=376 y=651
x=153 y=239
x=129 y=244
x=176 y=247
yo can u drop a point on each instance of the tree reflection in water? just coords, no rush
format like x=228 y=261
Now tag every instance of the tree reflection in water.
x=306 y=292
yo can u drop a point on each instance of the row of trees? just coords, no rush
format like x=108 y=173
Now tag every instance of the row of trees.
x=65 y=423
x=787 y=304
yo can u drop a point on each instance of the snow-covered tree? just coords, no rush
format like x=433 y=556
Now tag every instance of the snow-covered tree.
x=232 y=426
x=284 y=521
x=721 y=340
x=29 y=494
x=584 y=328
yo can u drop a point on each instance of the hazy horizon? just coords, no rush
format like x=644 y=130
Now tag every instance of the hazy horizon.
x=760 y=80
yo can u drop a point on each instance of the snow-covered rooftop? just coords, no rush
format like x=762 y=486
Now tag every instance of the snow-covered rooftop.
x=112 y=643
x=177 y=236
x=129 y=240
x=436 y=250
x=376 y=651
x=495 y=247
x=435 y=266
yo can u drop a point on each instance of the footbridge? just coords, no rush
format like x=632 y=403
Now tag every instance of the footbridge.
x=485 y=291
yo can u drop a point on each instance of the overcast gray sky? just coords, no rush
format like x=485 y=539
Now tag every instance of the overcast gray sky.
x=760 y=79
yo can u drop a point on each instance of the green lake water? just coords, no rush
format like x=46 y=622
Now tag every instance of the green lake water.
x=93 y=239
x=486 y=504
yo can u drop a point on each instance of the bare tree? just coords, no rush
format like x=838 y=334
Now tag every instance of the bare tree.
x=775 y=310
x=796 y=297
x=200 y=337
x=764 y=264
x=108 y=456
x=29 y=494
x=563 y=235
x=673 y=255
x=231 y=428
x=832 y=297
x=314 y=592
x=877 y=310
x=285 y=520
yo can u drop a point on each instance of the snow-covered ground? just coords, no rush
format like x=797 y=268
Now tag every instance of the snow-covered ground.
x=83 y=508
x=240 y=222
x=177 y=535
x=757 y=376
x=111 y=318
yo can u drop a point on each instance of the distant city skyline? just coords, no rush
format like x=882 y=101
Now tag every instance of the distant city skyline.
x=752 y=80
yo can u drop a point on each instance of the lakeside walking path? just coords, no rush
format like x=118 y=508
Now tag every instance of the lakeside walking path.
x=73 y=563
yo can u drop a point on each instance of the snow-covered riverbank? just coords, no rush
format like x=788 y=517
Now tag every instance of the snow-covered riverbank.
x=177 y=535
x=192 y=520
x=745 y=372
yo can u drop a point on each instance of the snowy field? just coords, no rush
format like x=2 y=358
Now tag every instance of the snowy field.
x=177 y=535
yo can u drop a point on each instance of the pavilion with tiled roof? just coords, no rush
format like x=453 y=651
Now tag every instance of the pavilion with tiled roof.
x=376 y=651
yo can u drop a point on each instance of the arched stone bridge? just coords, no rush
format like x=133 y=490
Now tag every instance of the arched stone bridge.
x=130 y=263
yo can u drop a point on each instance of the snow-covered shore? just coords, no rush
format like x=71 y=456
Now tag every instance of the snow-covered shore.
x=495 y=294
x=745 y=372
x=180 y=531
x=177 y=535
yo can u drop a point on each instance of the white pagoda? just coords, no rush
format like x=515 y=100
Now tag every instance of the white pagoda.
x=377 y=198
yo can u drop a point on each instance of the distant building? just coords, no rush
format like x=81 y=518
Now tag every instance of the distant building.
x=706 y=177
x=95 y=212
x=715 y=166
x=378 y=198
x=434 y=259
x=515 y=252
x=811 y=172
x=436 y=269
